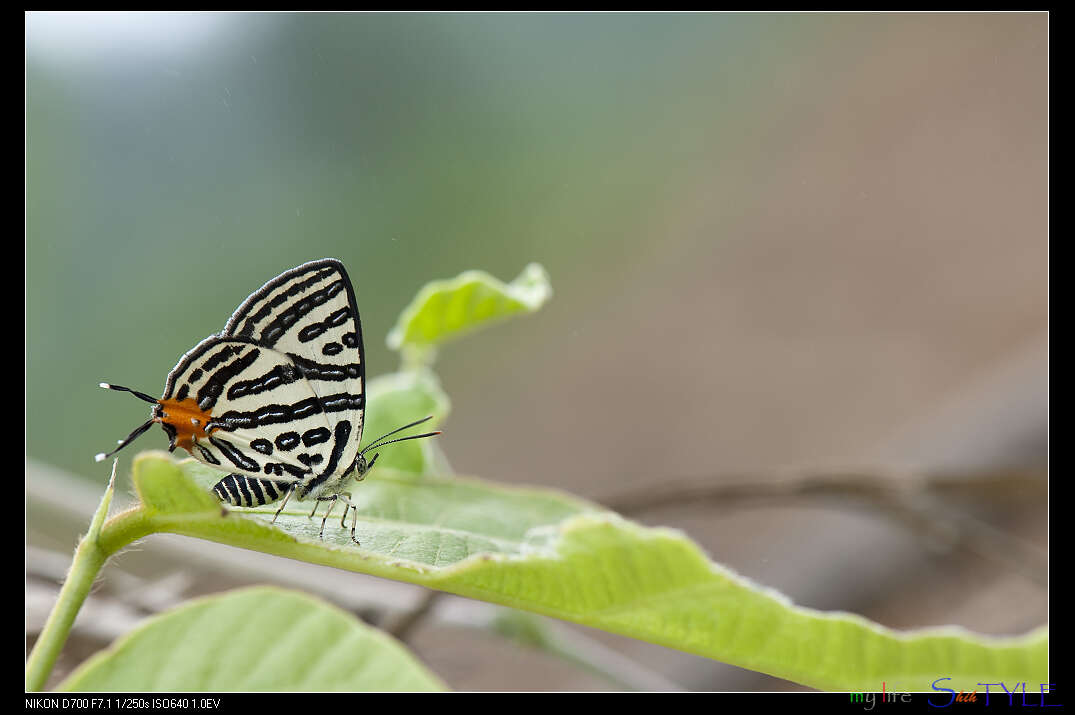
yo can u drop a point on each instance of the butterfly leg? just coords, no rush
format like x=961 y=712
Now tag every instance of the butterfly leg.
x=346 y=496
x=354 y=521
x=346 y=499
x=312 y=511
x=331 y=506
x=289 y=493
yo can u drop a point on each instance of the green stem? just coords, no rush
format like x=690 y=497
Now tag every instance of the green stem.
x=124 y=528
x=93 y=551
x=88 y=561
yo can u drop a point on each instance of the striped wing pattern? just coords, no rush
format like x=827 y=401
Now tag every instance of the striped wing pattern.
x=282 y=387
x=249 y=491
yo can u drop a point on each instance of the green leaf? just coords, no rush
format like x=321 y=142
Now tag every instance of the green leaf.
x=559 y=556
x=256 y=639
x=447 y=309
x=160 y=492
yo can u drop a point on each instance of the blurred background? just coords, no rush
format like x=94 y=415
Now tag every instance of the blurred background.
x=783 y=247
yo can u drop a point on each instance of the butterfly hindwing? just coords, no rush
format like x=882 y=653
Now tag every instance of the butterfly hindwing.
x=239 y=490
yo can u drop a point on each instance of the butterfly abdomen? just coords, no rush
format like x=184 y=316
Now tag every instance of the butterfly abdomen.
x=237 y=490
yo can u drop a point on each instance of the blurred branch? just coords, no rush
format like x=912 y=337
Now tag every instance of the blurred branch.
x=402 y=625
x=551 y=638
x=922 y=503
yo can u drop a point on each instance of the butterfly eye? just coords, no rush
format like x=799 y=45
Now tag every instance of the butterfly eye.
x=365 y=468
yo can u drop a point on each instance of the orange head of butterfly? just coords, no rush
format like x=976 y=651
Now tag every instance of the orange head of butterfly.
x=183 y=421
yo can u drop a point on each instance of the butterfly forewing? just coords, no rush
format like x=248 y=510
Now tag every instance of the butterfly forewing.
x=282 y=388
x=309 y=313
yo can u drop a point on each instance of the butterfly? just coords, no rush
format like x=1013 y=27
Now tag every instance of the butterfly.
x=279 y=395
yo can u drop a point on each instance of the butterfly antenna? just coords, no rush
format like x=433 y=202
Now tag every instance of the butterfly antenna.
x=400 y=429
x=136 y=393
x=124 y=442
x=400 y=439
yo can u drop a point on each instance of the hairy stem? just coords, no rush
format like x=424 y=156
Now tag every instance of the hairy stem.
x=88 y=561
x=99 y=543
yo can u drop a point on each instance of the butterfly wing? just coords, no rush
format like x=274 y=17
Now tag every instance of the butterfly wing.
x=235 y=404
x=309 y=376
x=309 y=313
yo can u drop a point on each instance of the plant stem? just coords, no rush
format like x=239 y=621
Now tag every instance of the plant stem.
x=100 y=542
x=88 y=561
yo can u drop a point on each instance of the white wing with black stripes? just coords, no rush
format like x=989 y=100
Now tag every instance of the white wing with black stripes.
x=281 y=391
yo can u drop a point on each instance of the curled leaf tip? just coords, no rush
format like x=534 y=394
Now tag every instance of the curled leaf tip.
x=446 y=309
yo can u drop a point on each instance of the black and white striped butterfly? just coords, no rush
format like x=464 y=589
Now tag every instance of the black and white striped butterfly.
x=279 y=395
